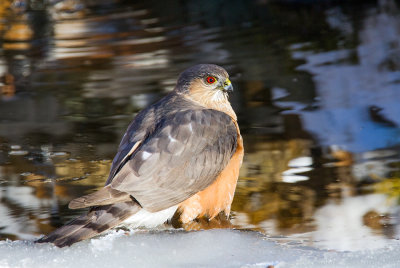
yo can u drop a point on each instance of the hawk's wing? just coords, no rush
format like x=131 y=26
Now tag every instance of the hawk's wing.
x=182 y=156
x=137 y=132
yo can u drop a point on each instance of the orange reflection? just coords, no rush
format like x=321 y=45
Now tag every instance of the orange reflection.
x=18 y=34
x=7 y=87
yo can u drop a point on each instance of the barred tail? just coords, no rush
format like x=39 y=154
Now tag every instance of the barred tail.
x=96 y=221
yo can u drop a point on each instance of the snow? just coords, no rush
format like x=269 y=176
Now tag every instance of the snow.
x=212 y=248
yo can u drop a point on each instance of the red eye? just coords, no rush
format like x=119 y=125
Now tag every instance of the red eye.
x=210 y=80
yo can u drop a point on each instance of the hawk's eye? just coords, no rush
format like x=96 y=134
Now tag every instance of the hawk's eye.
x=211 y=79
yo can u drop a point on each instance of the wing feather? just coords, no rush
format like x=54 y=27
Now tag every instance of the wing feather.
x=183 y=155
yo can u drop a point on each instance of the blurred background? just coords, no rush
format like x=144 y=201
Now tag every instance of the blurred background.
x=317 y=93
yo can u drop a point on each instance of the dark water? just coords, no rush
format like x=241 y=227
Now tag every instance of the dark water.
x=317 y=97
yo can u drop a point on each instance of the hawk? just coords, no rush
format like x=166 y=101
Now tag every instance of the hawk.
x=180 y=155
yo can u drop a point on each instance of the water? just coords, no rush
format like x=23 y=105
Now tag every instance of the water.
x=316 y=93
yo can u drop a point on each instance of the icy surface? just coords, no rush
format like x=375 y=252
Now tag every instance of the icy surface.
x=213 y=248
x=349 y=232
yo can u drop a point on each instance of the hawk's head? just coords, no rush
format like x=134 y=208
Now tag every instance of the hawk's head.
x=207 y=84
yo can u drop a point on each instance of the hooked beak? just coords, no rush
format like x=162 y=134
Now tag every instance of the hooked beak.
x=228 y=86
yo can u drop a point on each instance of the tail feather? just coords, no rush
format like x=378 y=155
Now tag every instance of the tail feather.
x=96 y=221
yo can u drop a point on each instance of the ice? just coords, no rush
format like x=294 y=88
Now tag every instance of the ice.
x=212 y=248
x=349 y=231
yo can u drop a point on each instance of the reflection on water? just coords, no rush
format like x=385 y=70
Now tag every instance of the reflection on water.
x=317 y=88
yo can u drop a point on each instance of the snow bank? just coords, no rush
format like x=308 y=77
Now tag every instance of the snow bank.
x=213 y=248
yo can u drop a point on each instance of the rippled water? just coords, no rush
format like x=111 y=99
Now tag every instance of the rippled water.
x=317 y=97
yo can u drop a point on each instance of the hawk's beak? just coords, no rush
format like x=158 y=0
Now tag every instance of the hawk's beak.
x=228 y=86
